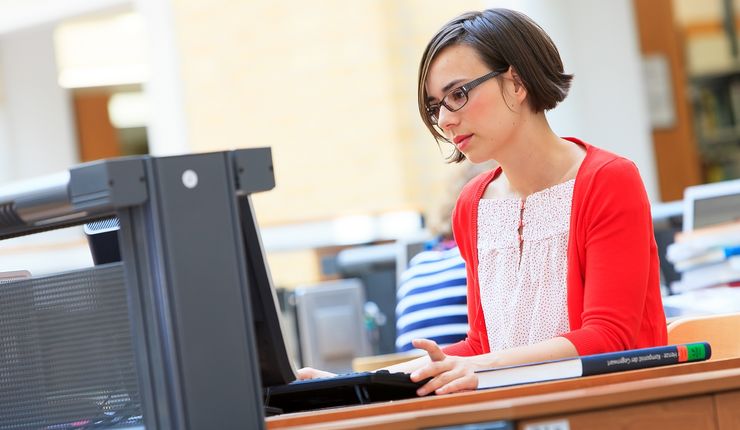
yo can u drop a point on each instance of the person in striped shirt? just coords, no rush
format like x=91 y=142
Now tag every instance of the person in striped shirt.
x=432 y=298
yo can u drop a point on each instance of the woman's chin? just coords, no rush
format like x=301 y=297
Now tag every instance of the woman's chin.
x=471 y=157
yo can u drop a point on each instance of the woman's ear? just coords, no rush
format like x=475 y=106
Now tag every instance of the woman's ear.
x=520 y=91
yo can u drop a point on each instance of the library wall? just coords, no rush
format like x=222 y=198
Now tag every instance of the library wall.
x=330 y=88
x=606 y=105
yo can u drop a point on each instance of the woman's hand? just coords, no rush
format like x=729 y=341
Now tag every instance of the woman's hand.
x=311 y=373
x=449 y=374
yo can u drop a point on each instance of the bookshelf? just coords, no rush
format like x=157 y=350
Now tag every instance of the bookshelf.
x=715 y=97
x=676 y=150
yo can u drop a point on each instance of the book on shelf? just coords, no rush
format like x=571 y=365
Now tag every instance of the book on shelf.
x=734 y=90
x=597 y=364
x=709 y=257
x=724 y=272
x=704 y=301
x=712 y=232
x=696 y=243
x=716 y=110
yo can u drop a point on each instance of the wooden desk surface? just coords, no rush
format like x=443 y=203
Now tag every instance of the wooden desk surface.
x=527 y=400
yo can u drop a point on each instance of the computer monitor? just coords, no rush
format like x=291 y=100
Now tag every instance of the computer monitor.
x=710 y=204
x=275 y=365
x=375 y=266
x=331 y=326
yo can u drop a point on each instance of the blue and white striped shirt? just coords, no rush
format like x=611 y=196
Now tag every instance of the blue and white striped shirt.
x=432 y=299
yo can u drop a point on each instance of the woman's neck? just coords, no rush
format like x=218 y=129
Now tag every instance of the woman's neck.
x=537 y=158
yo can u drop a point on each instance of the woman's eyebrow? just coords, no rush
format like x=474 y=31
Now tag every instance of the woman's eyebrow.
x=445 y=89
x=450 y=85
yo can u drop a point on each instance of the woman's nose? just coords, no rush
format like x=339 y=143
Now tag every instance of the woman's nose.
x=446 y=119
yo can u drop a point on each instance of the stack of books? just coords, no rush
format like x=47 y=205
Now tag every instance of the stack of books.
x=706 y=257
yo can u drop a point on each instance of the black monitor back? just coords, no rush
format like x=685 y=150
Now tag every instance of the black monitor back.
x=275 y=365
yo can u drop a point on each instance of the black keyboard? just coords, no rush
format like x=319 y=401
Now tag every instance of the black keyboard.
x=340 y=390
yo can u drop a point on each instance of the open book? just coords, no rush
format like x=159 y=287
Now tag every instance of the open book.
x=593 y=364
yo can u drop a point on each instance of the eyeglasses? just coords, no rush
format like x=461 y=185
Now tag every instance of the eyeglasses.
x=457 y=98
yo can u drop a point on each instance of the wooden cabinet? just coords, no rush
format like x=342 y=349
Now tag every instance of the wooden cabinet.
x=728 y=410
x=689 y=414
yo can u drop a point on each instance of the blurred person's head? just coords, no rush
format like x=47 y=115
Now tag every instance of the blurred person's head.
x=440 y=224
x=484 y=74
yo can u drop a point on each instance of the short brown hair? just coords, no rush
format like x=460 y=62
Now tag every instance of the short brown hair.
x=502 y=38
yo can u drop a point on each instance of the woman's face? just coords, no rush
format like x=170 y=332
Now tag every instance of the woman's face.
x=484 y=123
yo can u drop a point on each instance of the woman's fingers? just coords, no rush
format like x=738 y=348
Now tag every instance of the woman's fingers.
x=466 y=383
x=439 y=381
x=438 y=363
x=311 y=373
x=430 y=370
x=449 y=374
x=431 y=347
x=452 y=381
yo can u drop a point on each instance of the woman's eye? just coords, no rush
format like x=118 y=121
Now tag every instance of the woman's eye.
x=457 y=95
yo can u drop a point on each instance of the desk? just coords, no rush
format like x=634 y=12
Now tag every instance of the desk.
x=693 y=395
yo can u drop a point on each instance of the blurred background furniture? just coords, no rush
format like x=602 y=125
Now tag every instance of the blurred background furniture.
x=330 y=319
x=721 y=331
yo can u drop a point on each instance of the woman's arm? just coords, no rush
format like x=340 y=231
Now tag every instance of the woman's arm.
x=620 y=293
x=451 y=374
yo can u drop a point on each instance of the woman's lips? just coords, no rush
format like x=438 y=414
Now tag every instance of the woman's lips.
x=462 y=141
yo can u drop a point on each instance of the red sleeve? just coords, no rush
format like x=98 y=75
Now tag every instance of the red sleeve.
x=617 y=236
x=462 y=227
x=472 y=344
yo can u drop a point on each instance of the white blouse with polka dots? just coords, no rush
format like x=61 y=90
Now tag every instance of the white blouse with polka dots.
x=522 y=266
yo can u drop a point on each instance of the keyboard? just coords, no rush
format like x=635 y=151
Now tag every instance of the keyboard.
x=341 y=390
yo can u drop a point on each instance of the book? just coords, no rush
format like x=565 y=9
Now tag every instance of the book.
x=709 y=276
x=709 y=257
x=706 y=301
x=711 y=231
x=697 y=242
x=593 y=364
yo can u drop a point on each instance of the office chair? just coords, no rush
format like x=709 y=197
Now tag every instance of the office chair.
x=721 y=331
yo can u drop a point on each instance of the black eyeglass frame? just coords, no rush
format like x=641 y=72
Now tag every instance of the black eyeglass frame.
x=433 y=109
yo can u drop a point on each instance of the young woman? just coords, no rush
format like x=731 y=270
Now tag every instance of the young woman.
x=558 y=240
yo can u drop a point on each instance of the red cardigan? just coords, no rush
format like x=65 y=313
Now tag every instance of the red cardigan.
x=614 y=298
